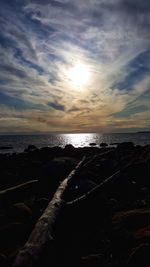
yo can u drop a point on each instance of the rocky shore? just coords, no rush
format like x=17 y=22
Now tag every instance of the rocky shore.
x=106 y=219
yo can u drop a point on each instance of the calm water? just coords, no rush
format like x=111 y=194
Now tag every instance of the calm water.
x=19 y=142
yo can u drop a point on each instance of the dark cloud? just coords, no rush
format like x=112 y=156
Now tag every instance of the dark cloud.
x=56 y=106
x=138 y=68
x=74 y=109
x=17 y=103
x=10 y=70
x=131 y=111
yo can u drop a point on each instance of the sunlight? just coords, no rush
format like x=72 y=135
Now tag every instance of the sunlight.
x=79 y=74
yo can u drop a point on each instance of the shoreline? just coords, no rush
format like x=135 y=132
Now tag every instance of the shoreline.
x=30 y=179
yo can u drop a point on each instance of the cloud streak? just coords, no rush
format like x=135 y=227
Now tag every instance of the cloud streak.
x=42 y=40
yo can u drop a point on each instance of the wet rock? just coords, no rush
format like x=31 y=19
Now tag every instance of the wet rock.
x=20 y=212
x=92 y=144
x=103 y=145
x=114 y=144
x=140 y=257
x=30 y=148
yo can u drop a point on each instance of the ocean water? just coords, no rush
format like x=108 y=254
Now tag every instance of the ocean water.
x=20 y=142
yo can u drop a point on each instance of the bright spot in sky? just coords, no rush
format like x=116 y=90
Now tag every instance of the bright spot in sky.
x=79 y=75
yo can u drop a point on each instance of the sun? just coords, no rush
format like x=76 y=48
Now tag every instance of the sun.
x=79 y=74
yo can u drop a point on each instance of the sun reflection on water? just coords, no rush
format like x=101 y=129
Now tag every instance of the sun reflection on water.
x=78 y=140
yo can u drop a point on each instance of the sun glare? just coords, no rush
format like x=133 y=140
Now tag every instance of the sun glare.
x=79 y=74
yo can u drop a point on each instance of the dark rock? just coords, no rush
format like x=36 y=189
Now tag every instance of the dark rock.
x=125 y=145
x=20 y=212
x=142 y=233
x=2 y=260
x=41 y=204
x=69 y=148
x=92 y=144
x=103 y=145
x=132 y=219
x=11 y=234
x=114 y=144
x=52 y=173
x=93 y=260
x=140 y=257
x=114 y=205
x=141 y=173
x=30 y=148
x=6 y=147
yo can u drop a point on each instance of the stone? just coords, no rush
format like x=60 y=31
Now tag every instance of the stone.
x=3 y=259
x=30 y=148
x=92 y=144
x=125 y=145
x=140 y=257
x=20 y=212
x=103 y=144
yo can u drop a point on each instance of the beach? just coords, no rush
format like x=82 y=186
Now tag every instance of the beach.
x=105 y=219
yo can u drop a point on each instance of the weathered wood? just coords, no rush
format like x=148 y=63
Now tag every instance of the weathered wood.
x=17 y=191
x=96 y=190
x=42 y=234
x=108 y=182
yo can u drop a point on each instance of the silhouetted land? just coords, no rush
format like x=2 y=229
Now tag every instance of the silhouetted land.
x=105 y=219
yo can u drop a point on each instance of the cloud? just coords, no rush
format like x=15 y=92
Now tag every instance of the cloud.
x=130 y=111
x=56 y=106
x=42 y=40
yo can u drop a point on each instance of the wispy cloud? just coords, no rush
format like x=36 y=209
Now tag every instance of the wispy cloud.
x=41 y=40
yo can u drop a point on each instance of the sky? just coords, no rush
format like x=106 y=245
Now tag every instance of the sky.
x=74 y=65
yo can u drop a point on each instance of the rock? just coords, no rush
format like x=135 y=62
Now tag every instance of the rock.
x=125 y=145
x=41 y=204
x=92 y=144
x=142 y=233
x=132 y=219
x=11 y=234
x=69 y=148
x=3 y=259
x=6 y=147
x=20 y=212
x=30 y=148
x=93 y=260
x=140 y=257
x=141 y=173
x=114 y=144
x=103 y=145
x=114 y=205
x=78 y=188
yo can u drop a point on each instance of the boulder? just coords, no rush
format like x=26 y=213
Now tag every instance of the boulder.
x=92 y=144
x=125 y=145
x=20 y=212
x=103 y=144
x=30 y=148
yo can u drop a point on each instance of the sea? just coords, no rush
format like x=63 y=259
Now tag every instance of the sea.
x=20 y=142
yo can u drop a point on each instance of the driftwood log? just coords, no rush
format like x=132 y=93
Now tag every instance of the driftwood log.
x=14 y=193
x=143 y=157
x=42 y=234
